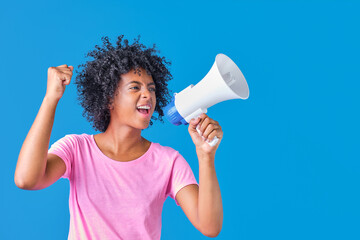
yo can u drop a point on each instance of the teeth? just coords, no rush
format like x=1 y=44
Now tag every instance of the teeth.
x=143 y=107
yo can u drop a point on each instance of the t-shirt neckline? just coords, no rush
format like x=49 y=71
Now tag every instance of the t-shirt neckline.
x=142 y=157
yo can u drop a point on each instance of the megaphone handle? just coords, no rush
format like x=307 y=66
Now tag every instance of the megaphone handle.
x=213 y=142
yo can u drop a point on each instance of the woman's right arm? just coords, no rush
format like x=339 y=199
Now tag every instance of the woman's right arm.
x=32 y=160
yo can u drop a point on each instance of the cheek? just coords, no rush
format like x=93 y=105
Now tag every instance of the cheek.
x=126 y=100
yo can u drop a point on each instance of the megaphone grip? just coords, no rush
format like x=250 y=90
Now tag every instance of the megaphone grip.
x=213 y=142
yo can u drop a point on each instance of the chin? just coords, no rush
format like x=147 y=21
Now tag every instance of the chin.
x=146 y=126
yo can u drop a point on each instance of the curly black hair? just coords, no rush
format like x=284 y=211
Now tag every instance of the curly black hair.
x=99 y=79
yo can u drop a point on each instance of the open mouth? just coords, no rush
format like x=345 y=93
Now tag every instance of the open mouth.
x=144 y=111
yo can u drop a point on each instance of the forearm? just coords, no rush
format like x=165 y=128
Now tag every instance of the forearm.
x=209 y=204
x=31 y=162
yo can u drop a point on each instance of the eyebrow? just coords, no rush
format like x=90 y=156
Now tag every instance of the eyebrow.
x=140 y=83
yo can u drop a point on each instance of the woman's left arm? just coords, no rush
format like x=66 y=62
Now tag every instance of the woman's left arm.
x=202 y=205
x=210 y=209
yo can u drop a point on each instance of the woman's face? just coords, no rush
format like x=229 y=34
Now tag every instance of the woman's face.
x=134 y=91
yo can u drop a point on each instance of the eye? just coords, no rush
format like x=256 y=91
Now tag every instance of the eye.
x=152 y=89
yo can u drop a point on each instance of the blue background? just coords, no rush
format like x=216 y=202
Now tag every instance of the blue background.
x=288 y=165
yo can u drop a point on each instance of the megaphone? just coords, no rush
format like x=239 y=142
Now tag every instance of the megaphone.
x=223 y=82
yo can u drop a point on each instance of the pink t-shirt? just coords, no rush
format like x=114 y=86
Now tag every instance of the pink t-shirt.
x=119 y=200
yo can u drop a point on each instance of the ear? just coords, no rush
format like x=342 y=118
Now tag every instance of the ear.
x=111 y=104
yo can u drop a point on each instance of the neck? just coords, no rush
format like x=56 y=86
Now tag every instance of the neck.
x=122 y=140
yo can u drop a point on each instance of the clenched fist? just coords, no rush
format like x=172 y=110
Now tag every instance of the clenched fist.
x=58 y=78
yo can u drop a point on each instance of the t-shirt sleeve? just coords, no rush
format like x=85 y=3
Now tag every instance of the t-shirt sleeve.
x=181 y=176
x=65 y=148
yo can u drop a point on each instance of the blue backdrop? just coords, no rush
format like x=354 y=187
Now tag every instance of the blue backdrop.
x=288 y=165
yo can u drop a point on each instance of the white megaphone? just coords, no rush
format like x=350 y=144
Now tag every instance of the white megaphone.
x=223 y=82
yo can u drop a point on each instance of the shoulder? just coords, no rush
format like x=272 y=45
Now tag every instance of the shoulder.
x=166 y=152
x=163 y=149
x=75 y=139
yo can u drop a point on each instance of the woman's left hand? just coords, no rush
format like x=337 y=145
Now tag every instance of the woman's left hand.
x=209 y=129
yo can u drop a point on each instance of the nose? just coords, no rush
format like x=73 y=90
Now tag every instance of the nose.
x=146 y=93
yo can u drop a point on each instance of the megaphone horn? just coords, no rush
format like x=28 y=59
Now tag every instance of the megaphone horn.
x=223 y=82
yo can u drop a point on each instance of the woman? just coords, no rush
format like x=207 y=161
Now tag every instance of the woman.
x=118 y=179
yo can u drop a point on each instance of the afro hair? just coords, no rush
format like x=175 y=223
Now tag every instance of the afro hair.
x=99 y=78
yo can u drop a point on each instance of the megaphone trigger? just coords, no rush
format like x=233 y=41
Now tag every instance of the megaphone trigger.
x=212 y=143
